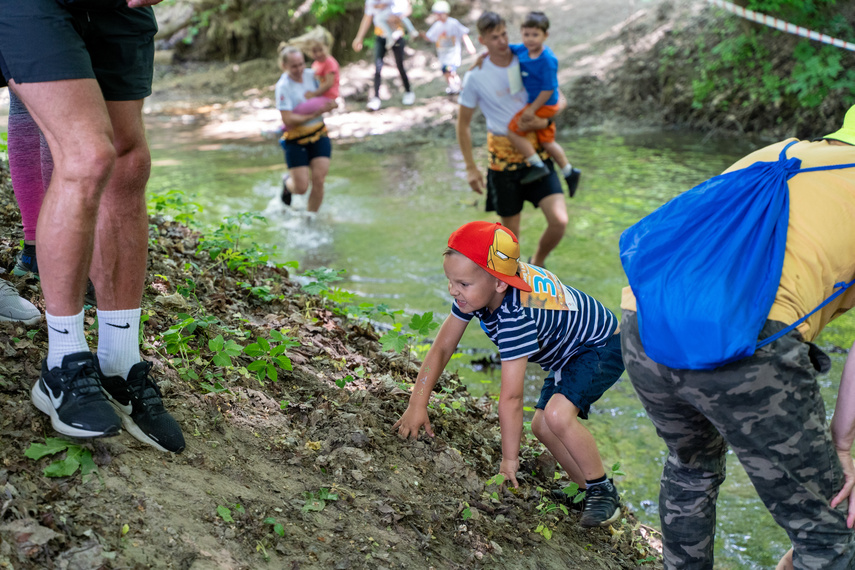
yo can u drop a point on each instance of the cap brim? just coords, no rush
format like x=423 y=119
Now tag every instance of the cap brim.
x=512 y=280
x=843 y=135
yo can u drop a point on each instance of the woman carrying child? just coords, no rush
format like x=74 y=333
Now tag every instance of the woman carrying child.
x=305 y=141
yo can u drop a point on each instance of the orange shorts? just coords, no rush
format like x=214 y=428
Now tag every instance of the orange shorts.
x=546 y=135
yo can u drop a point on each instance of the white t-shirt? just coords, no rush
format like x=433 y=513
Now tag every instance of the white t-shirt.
x=497 y=91
x=447 y=36
x=396 y=7
x=289 y=93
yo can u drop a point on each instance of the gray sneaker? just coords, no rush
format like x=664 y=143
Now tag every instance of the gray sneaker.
x=15 y=308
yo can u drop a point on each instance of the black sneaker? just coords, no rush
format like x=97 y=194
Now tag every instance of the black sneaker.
x=139 y=404
x=602 y=505
x=572 y=180
x=25 y=261
x=71 y=395
x=534 y=174
x=286 y=194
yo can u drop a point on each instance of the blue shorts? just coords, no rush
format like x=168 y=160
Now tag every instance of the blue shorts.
x=42 y=41
x=506 y=195
x=593 y=371
x=297 y=154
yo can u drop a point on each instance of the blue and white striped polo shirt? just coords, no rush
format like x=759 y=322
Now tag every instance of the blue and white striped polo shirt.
x=547 y=325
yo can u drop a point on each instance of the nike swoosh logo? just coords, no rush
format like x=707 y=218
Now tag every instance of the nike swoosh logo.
x=64 y=331
x=125 y=326
x=57 y=402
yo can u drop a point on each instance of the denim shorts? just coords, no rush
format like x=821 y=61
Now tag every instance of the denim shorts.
x=297 y=154
x=593 y=371
x=506 y=195
x=42 y=41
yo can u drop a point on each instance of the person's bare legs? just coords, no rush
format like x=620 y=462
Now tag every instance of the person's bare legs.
x=521 y=144
x=121 y=238
x=512 y=223
x=561 y=418
x=557 y=448
x=556 y=152
x=319 y=166
x=298 y=182
x=555 y=210
x=75 y=122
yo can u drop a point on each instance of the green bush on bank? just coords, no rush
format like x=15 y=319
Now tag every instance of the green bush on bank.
x=740 y=60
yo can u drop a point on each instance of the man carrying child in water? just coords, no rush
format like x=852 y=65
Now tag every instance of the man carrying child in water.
x=496 y=88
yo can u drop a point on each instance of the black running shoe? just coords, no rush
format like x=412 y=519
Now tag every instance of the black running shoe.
x=572 y=180
x=602 y=505
x=71 y=395
x=534 y=174
x=25 y=261
x=139 y=404
x=286 y=194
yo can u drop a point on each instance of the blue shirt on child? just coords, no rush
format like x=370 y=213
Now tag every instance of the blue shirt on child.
x=548 y=325
x=539 y=74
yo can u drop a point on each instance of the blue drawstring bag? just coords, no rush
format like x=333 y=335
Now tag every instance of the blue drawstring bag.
x=705 y=266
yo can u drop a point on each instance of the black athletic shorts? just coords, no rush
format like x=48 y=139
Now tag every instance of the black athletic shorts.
x=506 y=196
x=42 y=41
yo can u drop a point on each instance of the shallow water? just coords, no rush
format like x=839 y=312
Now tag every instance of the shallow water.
x=386 y=218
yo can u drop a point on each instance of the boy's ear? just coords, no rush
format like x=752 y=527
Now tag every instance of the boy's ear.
x=501 y=286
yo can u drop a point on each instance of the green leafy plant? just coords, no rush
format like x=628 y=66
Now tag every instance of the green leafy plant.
x=269 y=356
x=175 y=203
x=76 y=457
x=547 y=511
x=278 y=528
x=317 y=501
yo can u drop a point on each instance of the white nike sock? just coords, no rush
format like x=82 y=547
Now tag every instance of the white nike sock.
x=567 y=170
x=65 y=336
x=118 y=341
x=534 y=160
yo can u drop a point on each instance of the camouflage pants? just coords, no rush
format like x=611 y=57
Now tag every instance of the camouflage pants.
x=768 y=408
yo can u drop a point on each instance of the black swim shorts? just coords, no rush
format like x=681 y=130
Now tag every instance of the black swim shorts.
x=506 y=196
x=42 y=41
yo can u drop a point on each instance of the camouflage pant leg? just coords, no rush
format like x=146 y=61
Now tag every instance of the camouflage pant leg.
x=769 y=410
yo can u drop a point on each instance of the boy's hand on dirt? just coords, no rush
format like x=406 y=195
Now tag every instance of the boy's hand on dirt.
x=411 y=422
x=475 y=180
x=509 y=468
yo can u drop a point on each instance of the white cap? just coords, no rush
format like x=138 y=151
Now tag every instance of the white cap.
x=441 y=7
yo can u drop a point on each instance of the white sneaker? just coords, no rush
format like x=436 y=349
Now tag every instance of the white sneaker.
x=15 y=308
x=374 y=104
x=409 y=98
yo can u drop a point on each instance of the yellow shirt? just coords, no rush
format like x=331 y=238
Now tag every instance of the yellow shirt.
x=820 y=235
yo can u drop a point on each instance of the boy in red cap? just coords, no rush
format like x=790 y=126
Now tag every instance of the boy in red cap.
x=531 y=316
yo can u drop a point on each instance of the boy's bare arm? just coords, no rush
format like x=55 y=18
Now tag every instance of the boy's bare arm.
x=467 y=43
x=511 y=416
x=415 y=416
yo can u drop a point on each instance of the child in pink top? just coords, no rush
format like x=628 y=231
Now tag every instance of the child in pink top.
x=327 y=73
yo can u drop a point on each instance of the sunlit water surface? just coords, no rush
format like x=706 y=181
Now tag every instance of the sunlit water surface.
x=386 y=218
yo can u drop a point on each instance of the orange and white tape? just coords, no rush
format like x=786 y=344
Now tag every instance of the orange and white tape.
x=773 y=22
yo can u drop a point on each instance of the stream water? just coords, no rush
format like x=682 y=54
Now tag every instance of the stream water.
x=386 y=218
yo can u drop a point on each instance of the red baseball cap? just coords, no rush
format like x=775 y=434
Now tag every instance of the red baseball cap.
x=492 y=247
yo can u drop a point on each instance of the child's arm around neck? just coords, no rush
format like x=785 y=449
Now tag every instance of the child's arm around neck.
x=416 y=416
